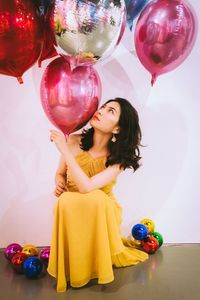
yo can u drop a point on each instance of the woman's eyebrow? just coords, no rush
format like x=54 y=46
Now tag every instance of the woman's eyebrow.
x=104 y=105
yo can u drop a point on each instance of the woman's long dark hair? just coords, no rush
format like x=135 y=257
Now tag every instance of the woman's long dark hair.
x=125 y=150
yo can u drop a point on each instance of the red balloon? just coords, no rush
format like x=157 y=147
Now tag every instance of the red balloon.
x=20 y=37
x=150 y=244
x=165 y=34
x=18 y=261
x=69 y=96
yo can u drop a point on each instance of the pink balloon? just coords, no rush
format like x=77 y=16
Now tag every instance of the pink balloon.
x=165 y=34
x=69 y=96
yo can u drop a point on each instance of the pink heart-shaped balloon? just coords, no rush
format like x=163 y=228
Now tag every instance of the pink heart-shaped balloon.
x=69 y=96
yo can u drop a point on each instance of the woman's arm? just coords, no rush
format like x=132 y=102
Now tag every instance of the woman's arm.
x=60 y=177
x=62 y=167
x=61 y=173
x=84 y=183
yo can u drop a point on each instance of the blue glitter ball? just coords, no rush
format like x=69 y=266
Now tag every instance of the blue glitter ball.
x=139 y=232
x=32 y=267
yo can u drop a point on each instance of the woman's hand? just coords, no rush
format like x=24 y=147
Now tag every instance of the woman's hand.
x=60 y=186
x=59 y=139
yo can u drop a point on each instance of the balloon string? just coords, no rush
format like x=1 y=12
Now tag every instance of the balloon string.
x=20 y=80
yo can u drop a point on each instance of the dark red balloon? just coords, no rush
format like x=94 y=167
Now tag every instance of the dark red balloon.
x=21 y=35
x=165 y=34
x=48 y=48
x=150 y=244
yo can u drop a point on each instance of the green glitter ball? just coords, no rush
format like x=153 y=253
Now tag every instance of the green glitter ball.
x=159 y=237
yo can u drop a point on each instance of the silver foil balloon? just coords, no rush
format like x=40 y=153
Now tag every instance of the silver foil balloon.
x=88 y=30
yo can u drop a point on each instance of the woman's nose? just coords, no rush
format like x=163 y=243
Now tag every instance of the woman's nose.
x=100 y=112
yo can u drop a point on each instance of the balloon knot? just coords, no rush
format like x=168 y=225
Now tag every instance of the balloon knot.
x=153 y=79
x=20 y=80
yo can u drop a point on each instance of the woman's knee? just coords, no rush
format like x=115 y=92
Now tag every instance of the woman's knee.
x=97 y=197
x=97 y=193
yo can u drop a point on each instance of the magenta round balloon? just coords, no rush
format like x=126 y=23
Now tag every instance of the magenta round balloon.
x=44 y=255
x=123 y=27
x=69 y=96
x=165 y=34
x=11 y=250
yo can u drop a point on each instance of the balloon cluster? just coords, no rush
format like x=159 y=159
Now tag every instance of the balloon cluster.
x=90 y=30
x=27 y=260
x=84 y=32
x=145 y=237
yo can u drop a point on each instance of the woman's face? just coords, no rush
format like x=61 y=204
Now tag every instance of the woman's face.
x=106 y=118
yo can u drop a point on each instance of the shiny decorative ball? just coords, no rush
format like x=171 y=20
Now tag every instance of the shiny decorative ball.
x=150 y=244
x=149 y=224
x=139 y=232
x=159 y=237
x=44 y=256
x=11 y=250
x=32 y=267
x=17 y=262
x=30 y=250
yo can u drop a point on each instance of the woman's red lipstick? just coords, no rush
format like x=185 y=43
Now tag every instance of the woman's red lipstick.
x=95 y=116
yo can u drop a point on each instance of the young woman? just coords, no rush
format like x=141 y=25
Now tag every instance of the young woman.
x=86 y=239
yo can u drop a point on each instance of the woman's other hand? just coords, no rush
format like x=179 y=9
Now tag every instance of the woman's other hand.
x=60 y=185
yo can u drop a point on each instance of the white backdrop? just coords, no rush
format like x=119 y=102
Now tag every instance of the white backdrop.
x=165 y=188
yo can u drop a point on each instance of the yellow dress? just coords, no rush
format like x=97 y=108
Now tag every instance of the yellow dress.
x=86 y=238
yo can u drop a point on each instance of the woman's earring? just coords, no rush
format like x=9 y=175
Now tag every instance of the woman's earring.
x=113 y=138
